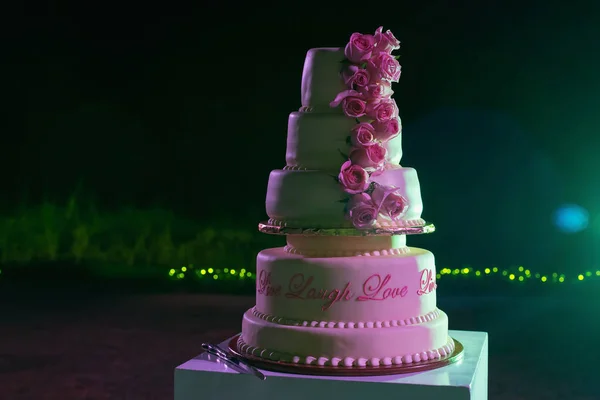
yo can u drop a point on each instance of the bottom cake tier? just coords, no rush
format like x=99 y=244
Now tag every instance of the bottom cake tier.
x=405 y=342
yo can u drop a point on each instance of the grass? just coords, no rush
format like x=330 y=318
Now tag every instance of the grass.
x=77 y=242
x=128 y=239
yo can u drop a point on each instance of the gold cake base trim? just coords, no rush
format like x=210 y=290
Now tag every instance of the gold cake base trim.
x=325 y=370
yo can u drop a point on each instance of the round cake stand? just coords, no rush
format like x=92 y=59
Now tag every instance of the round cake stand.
x=271 y=229
x=327 y=370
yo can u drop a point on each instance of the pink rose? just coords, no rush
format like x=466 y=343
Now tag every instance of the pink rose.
x=359 y=48
x=386 y=130
x=352 y=103
x=353 y=178
x=368 y=157
x=386 y=42
x=354 y=107
x=362 y=211
x=355 y=76
x=384 y=66
x=382 y=109
x=389 y=201
x=363 y=134
x=377 y=90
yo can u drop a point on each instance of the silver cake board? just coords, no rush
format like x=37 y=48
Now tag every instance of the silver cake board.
x=206 y=377
x=268 y=228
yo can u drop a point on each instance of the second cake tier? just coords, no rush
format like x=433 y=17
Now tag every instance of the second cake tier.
x=313 y=199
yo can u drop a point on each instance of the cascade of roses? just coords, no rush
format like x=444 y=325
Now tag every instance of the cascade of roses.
x=368 y=72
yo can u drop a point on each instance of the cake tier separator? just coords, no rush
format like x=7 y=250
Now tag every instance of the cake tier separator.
x=271 y=229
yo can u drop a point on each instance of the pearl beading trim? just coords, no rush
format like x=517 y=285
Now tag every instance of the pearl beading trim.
x=435 y=354
x=346 y=253
x=296 y=168
x=430 y=316
x=320 y=110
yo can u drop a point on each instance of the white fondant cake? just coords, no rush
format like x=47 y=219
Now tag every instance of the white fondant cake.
x=311 y=198
x=312 y=136
x=346 y=301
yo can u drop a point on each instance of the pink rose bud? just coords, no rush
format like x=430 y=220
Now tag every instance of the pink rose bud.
x=368 y=157
x=390 y=202
x=353 y=178
x=386 y=130
x=359 y=48
x=362 y=135
x=382 y=109
x=354 y=76
x=361 y=211
x=384 y=66
x=386 y=42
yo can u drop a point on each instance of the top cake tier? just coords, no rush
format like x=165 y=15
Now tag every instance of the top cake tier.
x=321 y=79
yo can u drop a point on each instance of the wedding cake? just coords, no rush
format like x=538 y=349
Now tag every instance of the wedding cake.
x=360 y=299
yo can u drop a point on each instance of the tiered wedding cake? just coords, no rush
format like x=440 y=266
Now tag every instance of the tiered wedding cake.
x=352 y=301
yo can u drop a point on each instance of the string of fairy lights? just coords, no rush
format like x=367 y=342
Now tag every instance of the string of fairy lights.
x=517 y=274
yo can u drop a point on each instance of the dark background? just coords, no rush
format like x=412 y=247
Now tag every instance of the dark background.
x=186 y=108
x=139 y=135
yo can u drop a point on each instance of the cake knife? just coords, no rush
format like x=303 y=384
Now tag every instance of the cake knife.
x=236 y=363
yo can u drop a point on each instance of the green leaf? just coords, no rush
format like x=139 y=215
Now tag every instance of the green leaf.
x=345 y=156
x=370 y=188
x=357 y=121
x=345 y=200
x=363 y=65
x=345 y=61
x=397 y=57
x=349 y=140
x=335 y=178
